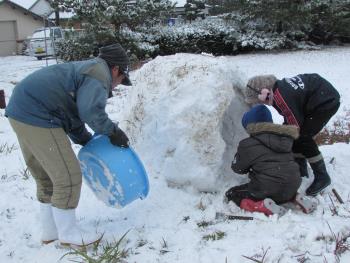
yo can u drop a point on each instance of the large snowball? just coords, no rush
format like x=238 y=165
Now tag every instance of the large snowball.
x=183 y=115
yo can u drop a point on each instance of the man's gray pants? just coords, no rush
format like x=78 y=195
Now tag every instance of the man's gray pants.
x=52 y=162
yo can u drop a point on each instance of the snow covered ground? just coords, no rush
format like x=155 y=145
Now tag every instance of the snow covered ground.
x=178 y=224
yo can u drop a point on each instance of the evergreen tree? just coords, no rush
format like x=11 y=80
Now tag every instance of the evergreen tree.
x=103 y=22
x=326 y=18
x=277 y=15
x=194 y=9
x=104 y=13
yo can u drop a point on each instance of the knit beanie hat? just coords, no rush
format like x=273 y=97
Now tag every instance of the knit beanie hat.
x=115 y=55
x=256 y=84
x=258 y=113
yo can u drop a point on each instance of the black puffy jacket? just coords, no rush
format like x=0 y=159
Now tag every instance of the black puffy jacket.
x=301 y=96
x=267 y=156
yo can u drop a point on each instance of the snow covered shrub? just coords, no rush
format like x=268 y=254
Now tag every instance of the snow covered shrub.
x=138 y=44
x=217 y=38
x=177 y=39
x=338 y=131
x=255 y=40
x=254 y=25
x=103 y=22
x=75 y=49
x=117 y=13
x=321 y=21
x=86 y=44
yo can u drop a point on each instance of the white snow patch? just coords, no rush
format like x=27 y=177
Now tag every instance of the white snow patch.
x=171 y=215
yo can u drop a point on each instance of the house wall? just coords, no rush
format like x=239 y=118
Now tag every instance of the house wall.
x=23 y=25
x=7 y=37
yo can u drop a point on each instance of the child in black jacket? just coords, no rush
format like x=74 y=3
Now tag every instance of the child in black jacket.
x=266 y=155
x=307 y=101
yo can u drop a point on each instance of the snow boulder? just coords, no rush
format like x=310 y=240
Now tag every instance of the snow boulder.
x=183 y=116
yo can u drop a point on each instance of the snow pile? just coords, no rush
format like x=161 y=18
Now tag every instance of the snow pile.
x=180 y=225
x=187 y=110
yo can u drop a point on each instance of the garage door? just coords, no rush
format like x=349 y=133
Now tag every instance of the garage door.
x=7 y=38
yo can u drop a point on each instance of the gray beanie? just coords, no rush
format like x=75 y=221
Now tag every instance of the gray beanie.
x=115 y=55
x=256 y=84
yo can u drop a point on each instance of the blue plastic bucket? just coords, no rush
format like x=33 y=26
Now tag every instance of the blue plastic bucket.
x=116 y=175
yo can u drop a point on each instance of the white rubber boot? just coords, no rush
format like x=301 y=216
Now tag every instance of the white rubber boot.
x=48 y=226
x=69 y=234
x=307 y=204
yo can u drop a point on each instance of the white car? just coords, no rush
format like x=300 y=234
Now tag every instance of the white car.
x=44 y=40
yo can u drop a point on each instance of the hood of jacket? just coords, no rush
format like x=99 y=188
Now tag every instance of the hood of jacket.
x=100 y=71
x=278 y=138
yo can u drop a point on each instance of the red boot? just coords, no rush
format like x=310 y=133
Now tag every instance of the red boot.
x=266 y=206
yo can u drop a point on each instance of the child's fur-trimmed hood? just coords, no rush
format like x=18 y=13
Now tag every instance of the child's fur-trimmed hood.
x=277 y=137
x=278 y=129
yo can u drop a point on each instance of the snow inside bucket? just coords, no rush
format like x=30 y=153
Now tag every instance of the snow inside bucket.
x=115 y=175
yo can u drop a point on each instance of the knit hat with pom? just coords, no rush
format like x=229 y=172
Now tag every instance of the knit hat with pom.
x=258 y=113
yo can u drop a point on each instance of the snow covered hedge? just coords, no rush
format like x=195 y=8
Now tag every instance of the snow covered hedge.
x=209 y=37
x=217 y=38
x=253 y=26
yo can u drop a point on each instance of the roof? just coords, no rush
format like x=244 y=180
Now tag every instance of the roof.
x=21 y=8
x=179 y=3
x=24 y=3
x=35 y=2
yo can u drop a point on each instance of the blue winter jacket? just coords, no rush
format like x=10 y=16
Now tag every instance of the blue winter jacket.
x=65 y=95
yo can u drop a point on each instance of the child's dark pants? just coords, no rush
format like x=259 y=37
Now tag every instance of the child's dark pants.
x=312 y=125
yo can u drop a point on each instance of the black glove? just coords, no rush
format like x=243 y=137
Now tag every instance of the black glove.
x=119 y=138
x=85 y=139
x=83 y=143
x=81 y=137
